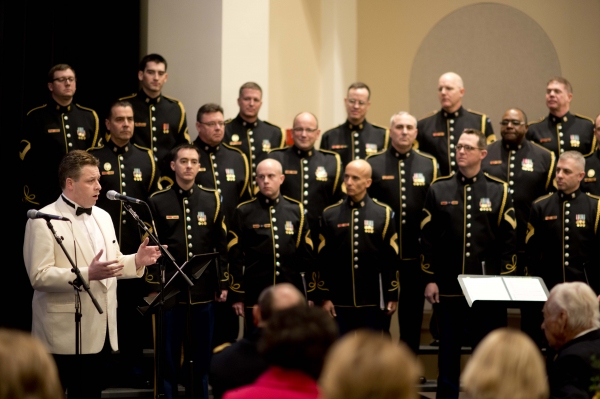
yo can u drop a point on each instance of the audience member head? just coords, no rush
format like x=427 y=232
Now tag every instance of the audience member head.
x=570 y=170
x=450 y=91
x=357 y=102
x=368 y=365
x=570 y=309
x=298 y=338
x=274 y=298
x=27 y=371
x=506 y=365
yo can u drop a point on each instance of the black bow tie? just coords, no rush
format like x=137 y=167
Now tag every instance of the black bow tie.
x=78 y=210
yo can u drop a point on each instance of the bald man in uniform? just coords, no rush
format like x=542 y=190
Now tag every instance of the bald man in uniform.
x=440 y=131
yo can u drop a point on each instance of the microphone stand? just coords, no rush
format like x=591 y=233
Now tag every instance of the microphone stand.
x=77 y=284
x=159 y=383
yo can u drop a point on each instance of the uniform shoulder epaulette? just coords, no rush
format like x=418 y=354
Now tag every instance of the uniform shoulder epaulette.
x=440 y=178
x=593 y=196
x=376 y=154
x=585 y=117
x=426 y=155
x=328 y=152
x=210 y=190
x=271 y=124
x=172 y=99
x=228 y=120
x=246 y=202
x=85 y=108
x=160 y=191
x=428 y=115
x=142 y=148
x=539 y=147
x=494 y=178
x=294 y=201
x=379 y=126
x=334 y=205
x=129 y=96
x=538 y=121
x=221 y=347
x=382 y=204
x=476 y=112
x=98 y=147
x=33 y=109
x=543 y=197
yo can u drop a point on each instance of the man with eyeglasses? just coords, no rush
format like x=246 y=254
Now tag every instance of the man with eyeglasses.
x=561 y=130
x=51 y=131
x=356 y=138
x=401 y=179
x=253 y=136
x=312 y=177
x=440 y=131
x=591 y=180
x=468 y=227
x=160 y=123
x=223 y=168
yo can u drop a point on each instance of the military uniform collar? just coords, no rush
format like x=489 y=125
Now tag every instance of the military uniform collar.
x=561 y=119
x=202 y=145
x=119 y=150
x=61 y=109
x=358 y=127
x=184 y=193
x=399 y=155
x=454 y=114
x=361 y=204
x=267 y=202
x=565 y=197
x=242 y=122
x=469 y=180
x=511 y=147
x=302 y=153
x=144 y=97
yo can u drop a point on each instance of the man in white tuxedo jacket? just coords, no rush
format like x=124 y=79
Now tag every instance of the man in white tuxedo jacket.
x=91 y=242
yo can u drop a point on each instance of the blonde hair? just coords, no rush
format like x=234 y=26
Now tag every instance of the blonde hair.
x=27 y=371
x=368 y=365
x=506 y=365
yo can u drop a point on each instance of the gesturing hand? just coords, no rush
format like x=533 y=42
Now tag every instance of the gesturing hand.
x=101 y=270
x=146 y=255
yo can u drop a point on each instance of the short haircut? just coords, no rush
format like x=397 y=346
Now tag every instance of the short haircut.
x=250 y=85
x=576 y=156
x=118 y=103
x=481 y=141
x=208 y=109
x=523 y=113
x=58 y=67
x=402 y=113
x=506 y=364
x=565 y=82
x=267 y=301
x=298 y=338
x=152 y=58
x=580 y=303
x=71 y=164
x=269 y=160
x=185 y=146
x=306 y=112
x=360 y=85
x=27 y=370
x=366 y=364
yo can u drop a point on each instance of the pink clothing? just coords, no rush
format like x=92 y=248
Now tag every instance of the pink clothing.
x=278 y=383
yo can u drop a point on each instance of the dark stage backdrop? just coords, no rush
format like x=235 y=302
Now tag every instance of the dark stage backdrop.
x=101 y=41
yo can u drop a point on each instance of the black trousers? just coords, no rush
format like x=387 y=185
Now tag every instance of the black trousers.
x=411 y=303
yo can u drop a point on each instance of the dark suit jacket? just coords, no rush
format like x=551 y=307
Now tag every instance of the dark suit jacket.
x=570 y=374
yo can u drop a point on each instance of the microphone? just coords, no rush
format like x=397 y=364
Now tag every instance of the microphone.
x=115 y=196
x=35 y=214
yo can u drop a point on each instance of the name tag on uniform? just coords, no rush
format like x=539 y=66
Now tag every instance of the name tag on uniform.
x=388 y=177
x=201 y=169
x=343 y=225
x=551 y=218
x=589 y=179
x=545 y=140
x=140 y=124
x=338 y=146
x=53 y=130
x=172 y=217
x=439 y=134
x=259 y=226
x=291 y=172
x=496 y=162
x=108 y=172
x=449 y=203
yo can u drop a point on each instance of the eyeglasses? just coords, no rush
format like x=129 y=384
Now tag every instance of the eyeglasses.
x=63 y=79
x=213 y=124
x=301 y=129
x=505 y=122
x=360 y=103
x=467 y=148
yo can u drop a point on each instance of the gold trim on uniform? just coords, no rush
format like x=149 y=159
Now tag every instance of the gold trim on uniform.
x=530 y=232
x=321 y=243
x=308 y=240
x=426 y=219
x=233 y=241
x=510 y=219
x=393 y=243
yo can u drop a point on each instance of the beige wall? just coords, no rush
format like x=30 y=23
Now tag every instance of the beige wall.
x=391 y=31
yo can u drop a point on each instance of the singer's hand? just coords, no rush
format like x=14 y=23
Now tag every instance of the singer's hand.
x=222 y=297
x=101 y=270
x=146 y=255
x=391 y=307
x=239 y=308
x=432 y=293
x=329 y=308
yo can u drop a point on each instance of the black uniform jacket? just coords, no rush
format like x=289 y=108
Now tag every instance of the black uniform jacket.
x=190 y=223
x=129 y=170
x=528 y=169
x=355 y=141
x=562 y=238
x=402 y=181
x=571 y=372
x=51 y=131
x=358 y=254
x=591 y=181
x=440 y=131
x=268 y=243
x=313 y=178
x=253 y=139
x=160 y=125
x=571 y=132
x=225 y=169
x=467 y=221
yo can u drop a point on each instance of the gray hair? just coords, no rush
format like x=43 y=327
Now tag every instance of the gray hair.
x=580 y=303
x=402 y=113
x=575 y=156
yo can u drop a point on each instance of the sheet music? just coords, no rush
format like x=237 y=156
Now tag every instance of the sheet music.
x=486 y=289
x=525 y=289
